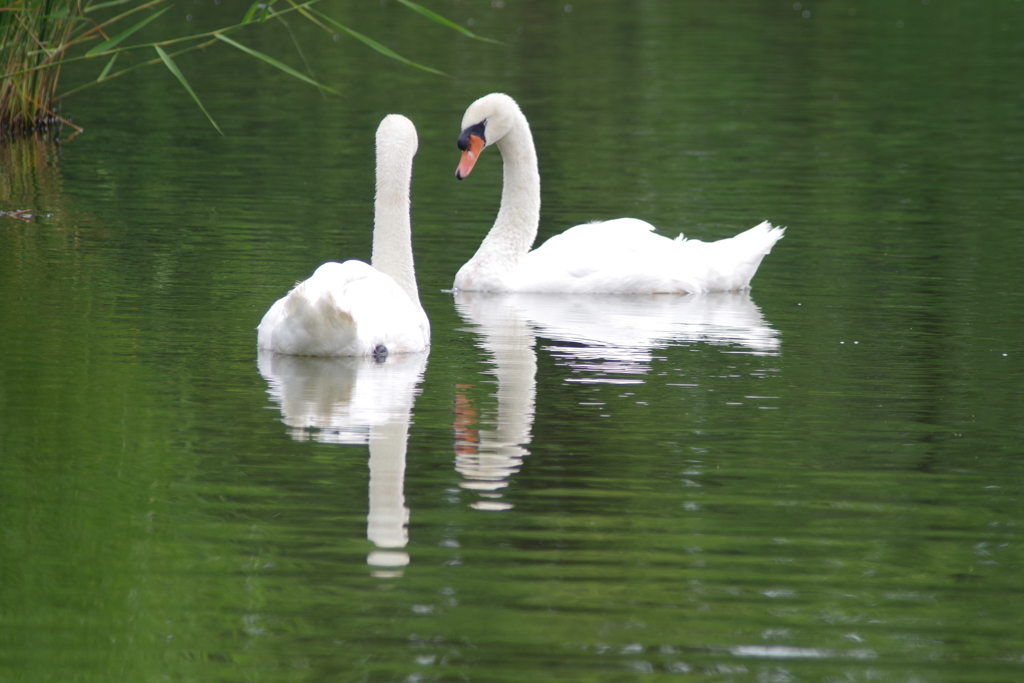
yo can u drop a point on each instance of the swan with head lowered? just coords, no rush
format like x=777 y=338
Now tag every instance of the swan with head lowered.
x=352 y=308
x=621 y=256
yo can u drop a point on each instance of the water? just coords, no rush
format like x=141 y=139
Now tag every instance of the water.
x=820 y=480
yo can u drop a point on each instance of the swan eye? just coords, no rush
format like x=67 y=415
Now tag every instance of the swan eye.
x=477 y=130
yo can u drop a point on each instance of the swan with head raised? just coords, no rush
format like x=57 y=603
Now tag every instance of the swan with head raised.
x=621 y=256
x=352 y=308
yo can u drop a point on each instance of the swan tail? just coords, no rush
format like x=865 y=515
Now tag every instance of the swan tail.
x=762 y=237
x=331 y=326
x=308 y=322
x=729 y=264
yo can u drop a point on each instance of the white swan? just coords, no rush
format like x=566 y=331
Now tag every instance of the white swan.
x=351 y=308
x=621 y=256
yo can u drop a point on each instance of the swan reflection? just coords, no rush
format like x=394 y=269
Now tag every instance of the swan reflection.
x=609 y=339
x=617 y=336
x=486 y=458
x=356 y=401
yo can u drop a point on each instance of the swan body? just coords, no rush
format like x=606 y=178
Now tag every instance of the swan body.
x=621 y=256
x=353 y=308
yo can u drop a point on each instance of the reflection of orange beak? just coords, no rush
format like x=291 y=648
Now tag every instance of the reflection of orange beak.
x=466 y=437
x=469 y=157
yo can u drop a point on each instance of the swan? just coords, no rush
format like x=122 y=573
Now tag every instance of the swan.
x=352 y=308
x=621 y=256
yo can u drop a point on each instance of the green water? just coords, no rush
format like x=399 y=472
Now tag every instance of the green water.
x=819 y=481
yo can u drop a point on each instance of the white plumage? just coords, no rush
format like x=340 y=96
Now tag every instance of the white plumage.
x=621 y=256
x=352 y=308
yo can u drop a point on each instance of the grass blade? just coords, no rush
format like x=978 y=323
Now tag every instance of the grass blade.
x=108 y=67
x=252 y=12
x=112 y=42
x=174 y=70
x=256 y=6
x=374 y=44
x=104 y=5
x=273 y=62
x=434 y=16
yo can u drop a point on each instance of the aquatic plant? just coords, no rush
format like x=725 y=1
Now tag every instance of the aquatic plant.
x=39 y=37
x=30 y=66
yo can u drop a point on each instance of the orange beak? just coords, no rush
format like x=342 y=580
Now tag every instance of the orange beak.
x=469 y=156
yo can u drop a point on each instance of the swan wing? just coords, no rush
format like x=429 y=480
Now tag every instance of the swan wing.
x=625 y=255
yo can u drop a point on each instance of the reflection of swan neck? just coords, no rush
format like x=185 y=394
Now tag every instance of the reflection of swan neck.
x=388 y=516
x=392 y=232
x=499 y=452
x=516 y=370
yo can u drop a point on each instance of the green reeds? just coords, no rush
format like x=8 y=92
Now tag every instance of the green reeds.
x=38 y=37
x=32 y=36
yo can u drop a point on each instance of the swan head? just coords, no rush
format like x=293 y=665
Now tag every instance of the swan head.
x=396 y=133
x=487 y=121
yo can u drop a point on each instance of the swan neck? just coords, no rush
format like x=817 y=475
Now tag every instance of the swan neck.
x=392 y=226
x=515 y=227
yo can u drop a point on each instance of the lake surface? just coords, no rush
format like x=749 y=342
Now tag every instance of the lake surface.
x=821 y=479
